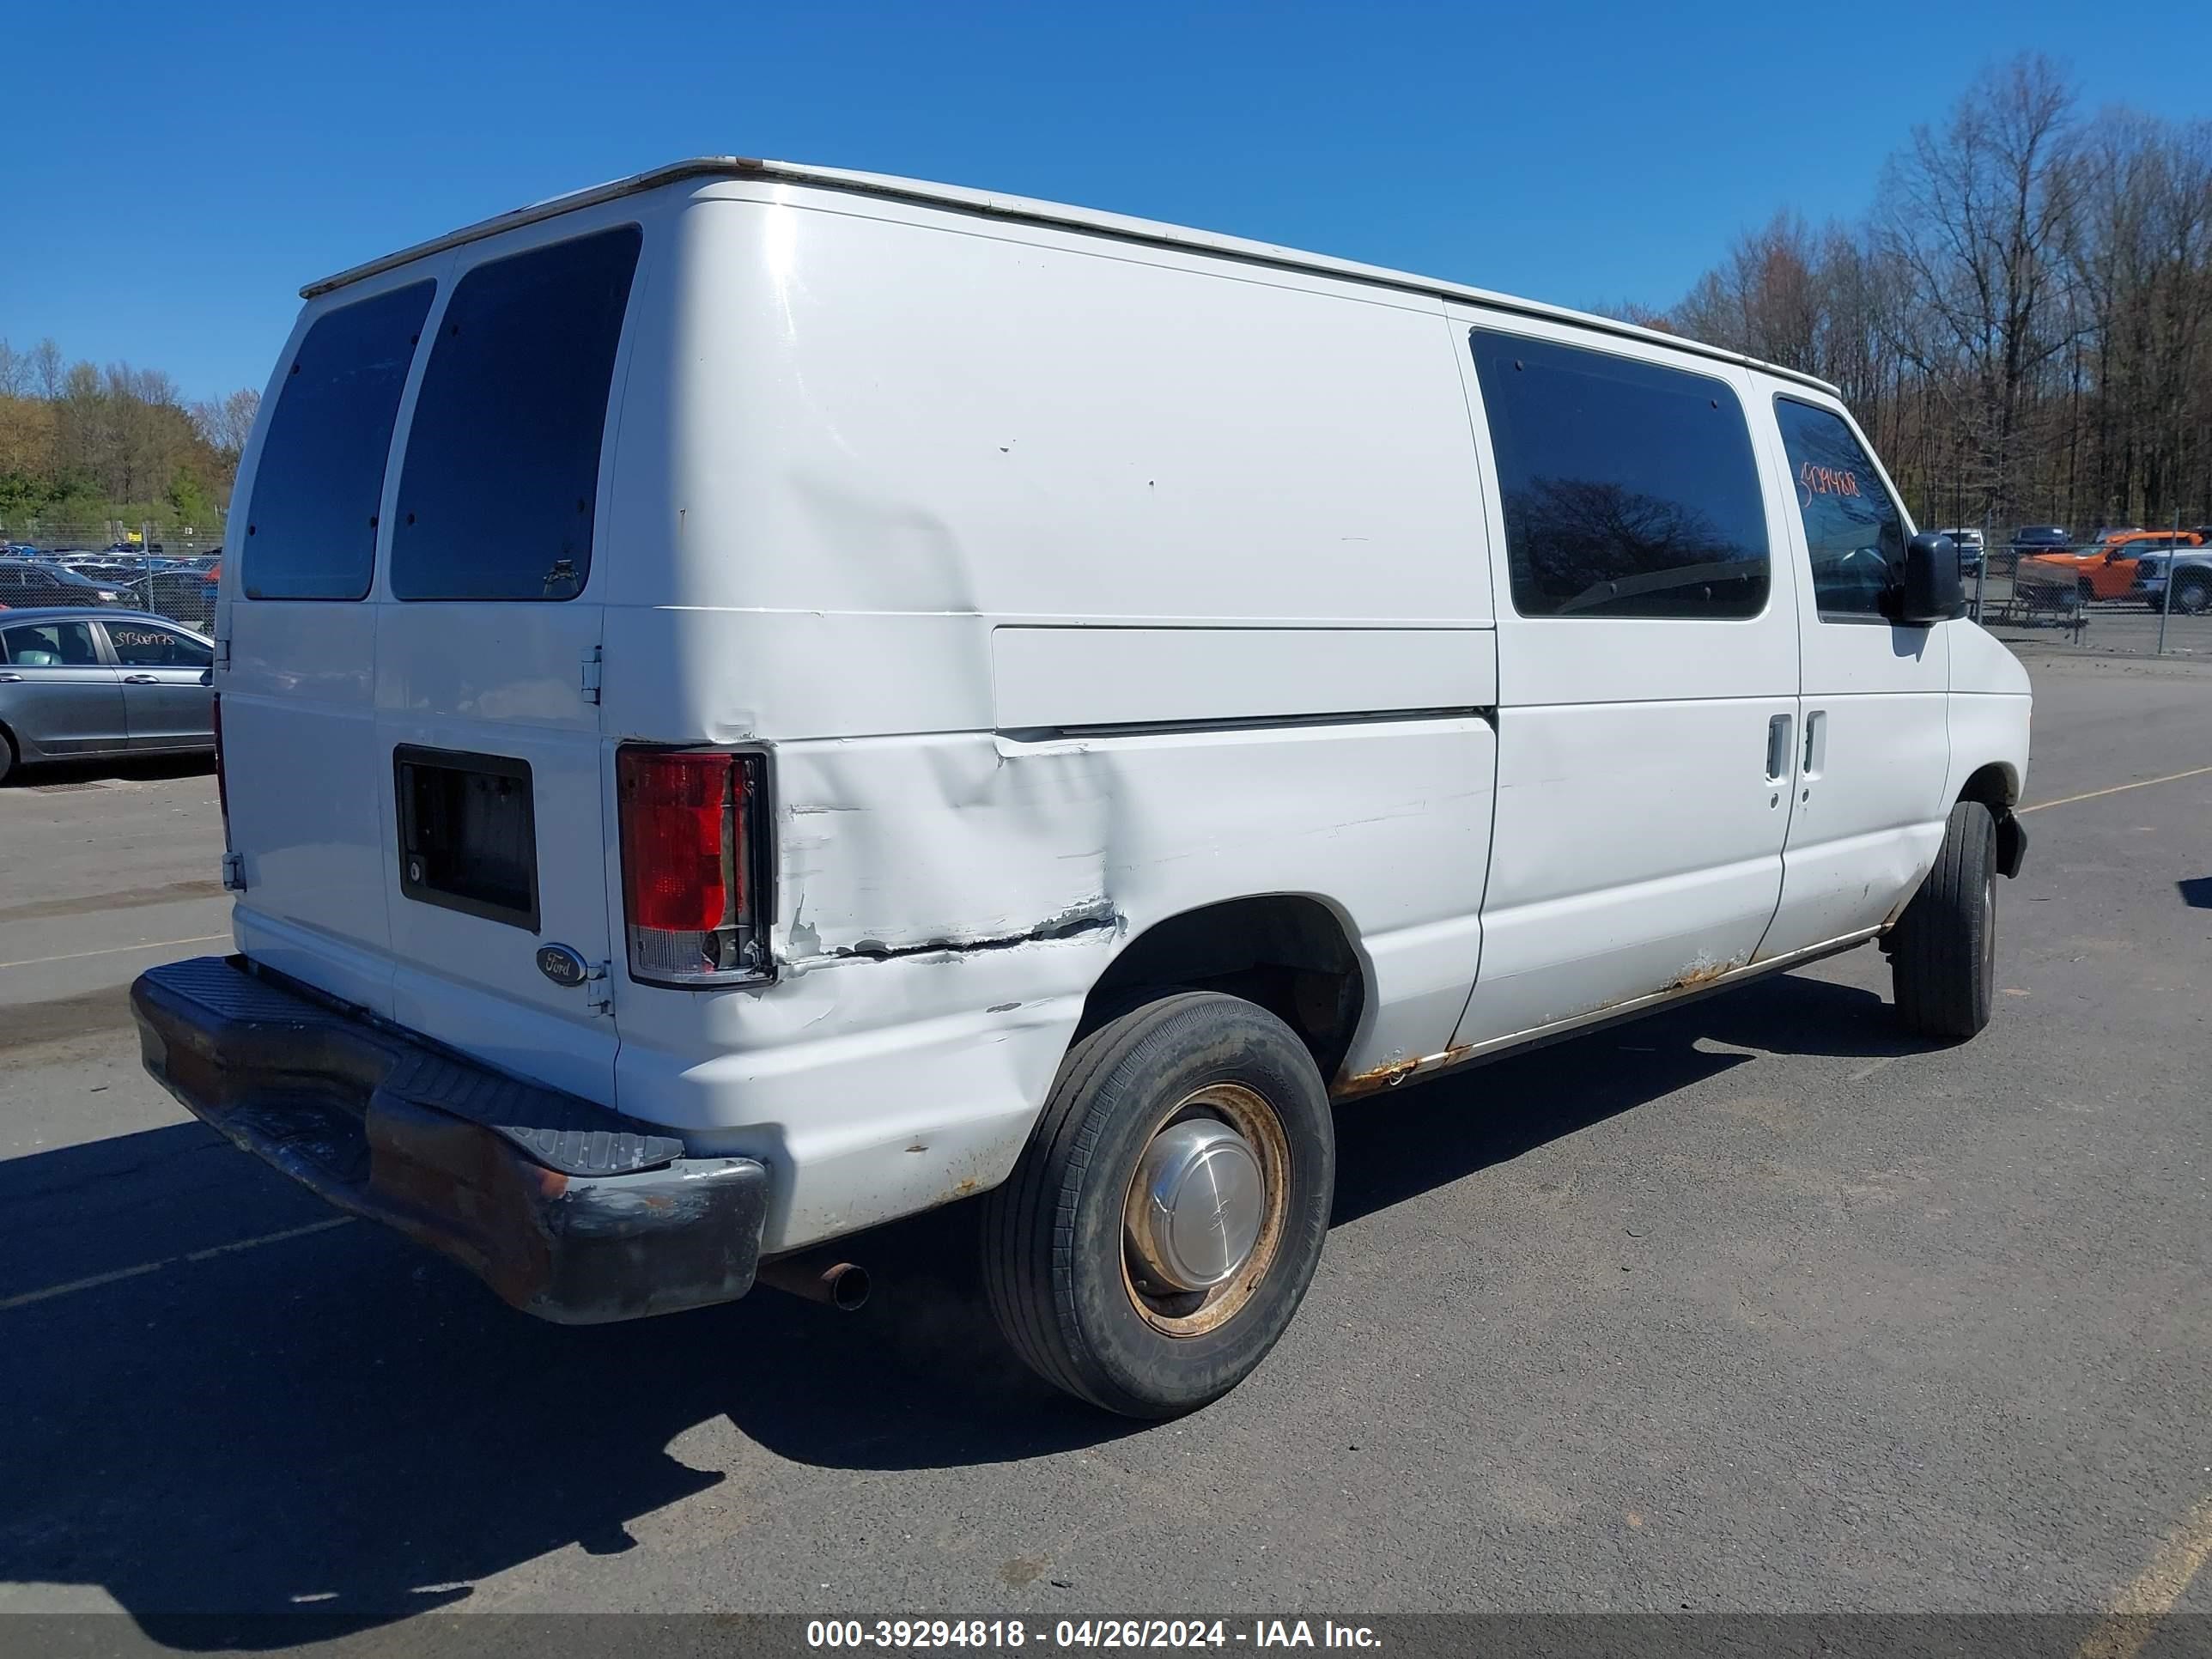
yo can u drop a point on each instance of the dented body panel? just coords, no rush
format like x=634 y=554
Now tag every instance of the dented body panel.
x=1072 y=583
x=920 y=1008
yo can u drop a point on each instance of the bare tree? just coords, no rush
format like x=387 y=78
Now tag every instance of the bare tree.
x=47 y=371
x=227 y=423
x=1978 y=216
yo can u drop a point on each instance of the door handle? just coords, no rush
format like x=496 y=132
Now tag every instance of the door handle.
x=1816 y=742
x=11 y=679
x=142 y=679
x=1777 y=749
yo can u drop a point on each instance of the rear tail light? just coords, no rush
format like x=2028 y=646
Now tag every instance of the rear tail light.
x=695 y=880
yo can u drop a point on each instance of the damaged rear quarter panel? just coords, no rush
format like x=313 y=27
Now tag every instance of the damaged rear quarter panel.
x=946 y=903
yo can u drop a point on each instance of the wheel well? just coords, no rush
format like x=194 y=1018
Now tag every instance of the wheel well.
x=1995 y=787
x=1992 y=786
x=1286 y=952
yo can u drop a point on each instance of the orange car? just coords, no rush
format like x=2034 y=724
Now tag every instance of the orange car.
x=2106 y=571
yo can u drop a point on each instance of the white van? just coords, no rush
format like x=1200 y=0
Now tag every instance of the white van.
x=759 y=700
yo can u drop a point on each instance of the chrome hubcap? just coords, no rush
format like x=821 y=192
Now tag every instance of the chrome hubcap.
x=1197 y=1206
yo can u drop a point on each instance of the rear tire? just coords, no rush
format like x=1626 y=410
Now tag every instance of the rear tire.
x=7 y=753
x=1943 y=950
x=1071 y=1270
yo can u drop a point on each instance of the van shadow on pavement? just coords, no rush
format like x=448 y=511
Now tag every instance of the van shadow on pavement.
x=326 y=1423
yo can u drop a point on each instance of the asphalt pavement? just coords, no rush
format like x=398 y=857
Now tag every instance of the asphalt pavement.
x=2127 y=631
x=1755 y=1305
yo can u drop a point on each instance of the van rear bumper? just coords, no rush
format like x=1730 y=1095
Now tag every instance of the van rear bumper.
x=566 y=1209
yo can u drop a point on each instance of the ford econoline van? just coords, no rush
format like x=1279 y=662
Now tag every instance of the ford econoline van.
x=757 y=700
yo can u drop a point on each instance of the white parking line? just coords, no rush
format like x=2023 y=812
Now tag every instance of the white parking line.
x=117 y=950
x=2135 y=1611
x=2120 y=788
x=209 y=1255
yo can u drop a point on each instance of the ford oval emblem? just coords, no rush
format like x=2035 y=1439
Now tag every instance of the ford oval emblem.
x=561 y=965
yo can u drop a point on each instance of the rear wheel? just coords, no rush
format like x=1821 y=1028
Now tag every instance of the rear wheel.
x=1943 y=950
x=7 y=753
x=1168 y=1215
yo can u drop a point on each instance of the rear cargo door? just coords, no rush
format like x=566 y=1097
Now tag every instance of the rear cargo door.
x=297 y=641
x=487 y=718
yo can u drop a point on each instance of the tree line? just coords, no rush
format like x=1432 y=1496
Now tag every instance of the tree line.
x=2023 y=321
x=83 y=445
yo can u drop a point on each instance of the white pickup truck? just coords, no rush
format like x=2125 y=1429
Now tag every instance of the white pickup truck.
x=758 y=700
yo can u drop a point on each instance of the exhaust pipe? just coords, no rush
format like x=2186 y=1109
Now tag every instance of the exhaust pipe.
x=838 y=1285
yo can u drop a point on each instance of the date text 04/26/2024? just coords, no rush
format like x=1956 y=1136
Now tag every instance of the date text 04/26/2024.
x=896 y=1634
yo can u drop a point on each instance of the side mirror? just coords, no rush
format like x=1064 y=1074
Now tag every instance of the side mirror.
x=1931 y=591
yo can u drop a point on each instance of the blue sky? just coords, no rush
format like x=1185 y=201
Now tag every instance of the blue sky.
x=170 y=175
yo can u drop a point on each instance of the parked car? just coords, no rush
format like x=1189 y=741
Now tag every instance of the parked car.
x=1968 y=541
x=105 y=573
x=2106 y=571
x=27 y=581
x=74 y=684
x=188 y=596
x=1047 y=729
x=2191 y=572
x=2039 y=539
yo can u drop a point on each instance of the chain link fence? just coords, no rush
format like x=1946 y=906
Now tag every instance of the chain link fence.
x=2145 y=592
x=146 y=566
x=57 y=536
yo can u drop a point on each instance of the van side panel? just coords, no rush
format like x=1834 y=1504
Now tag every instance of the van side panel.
x=863 y=414
x=1074 y=678
x=947 y=902
x=1041 y=567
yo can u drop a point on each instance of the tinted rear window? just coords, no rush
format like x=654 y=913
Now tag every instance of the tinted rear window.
x=311 y=531
x=49 y=645
x=500 y=483
x=1629 y=487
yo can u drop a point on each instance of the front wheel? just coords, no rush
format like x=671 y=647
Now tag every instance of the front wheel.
x=2192 y=595
x=1167 y=1216
x=1943 y=950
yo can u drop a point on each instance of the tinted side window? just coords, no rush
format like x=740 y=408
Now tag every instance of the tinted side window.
x=141 y=645
x=501 y=477
x=1852 y=528
x=311 y=531
x=1629 y=488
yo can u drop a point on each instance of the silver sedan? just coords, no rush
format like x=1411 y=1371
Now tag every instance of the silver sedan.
x=78 y=682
